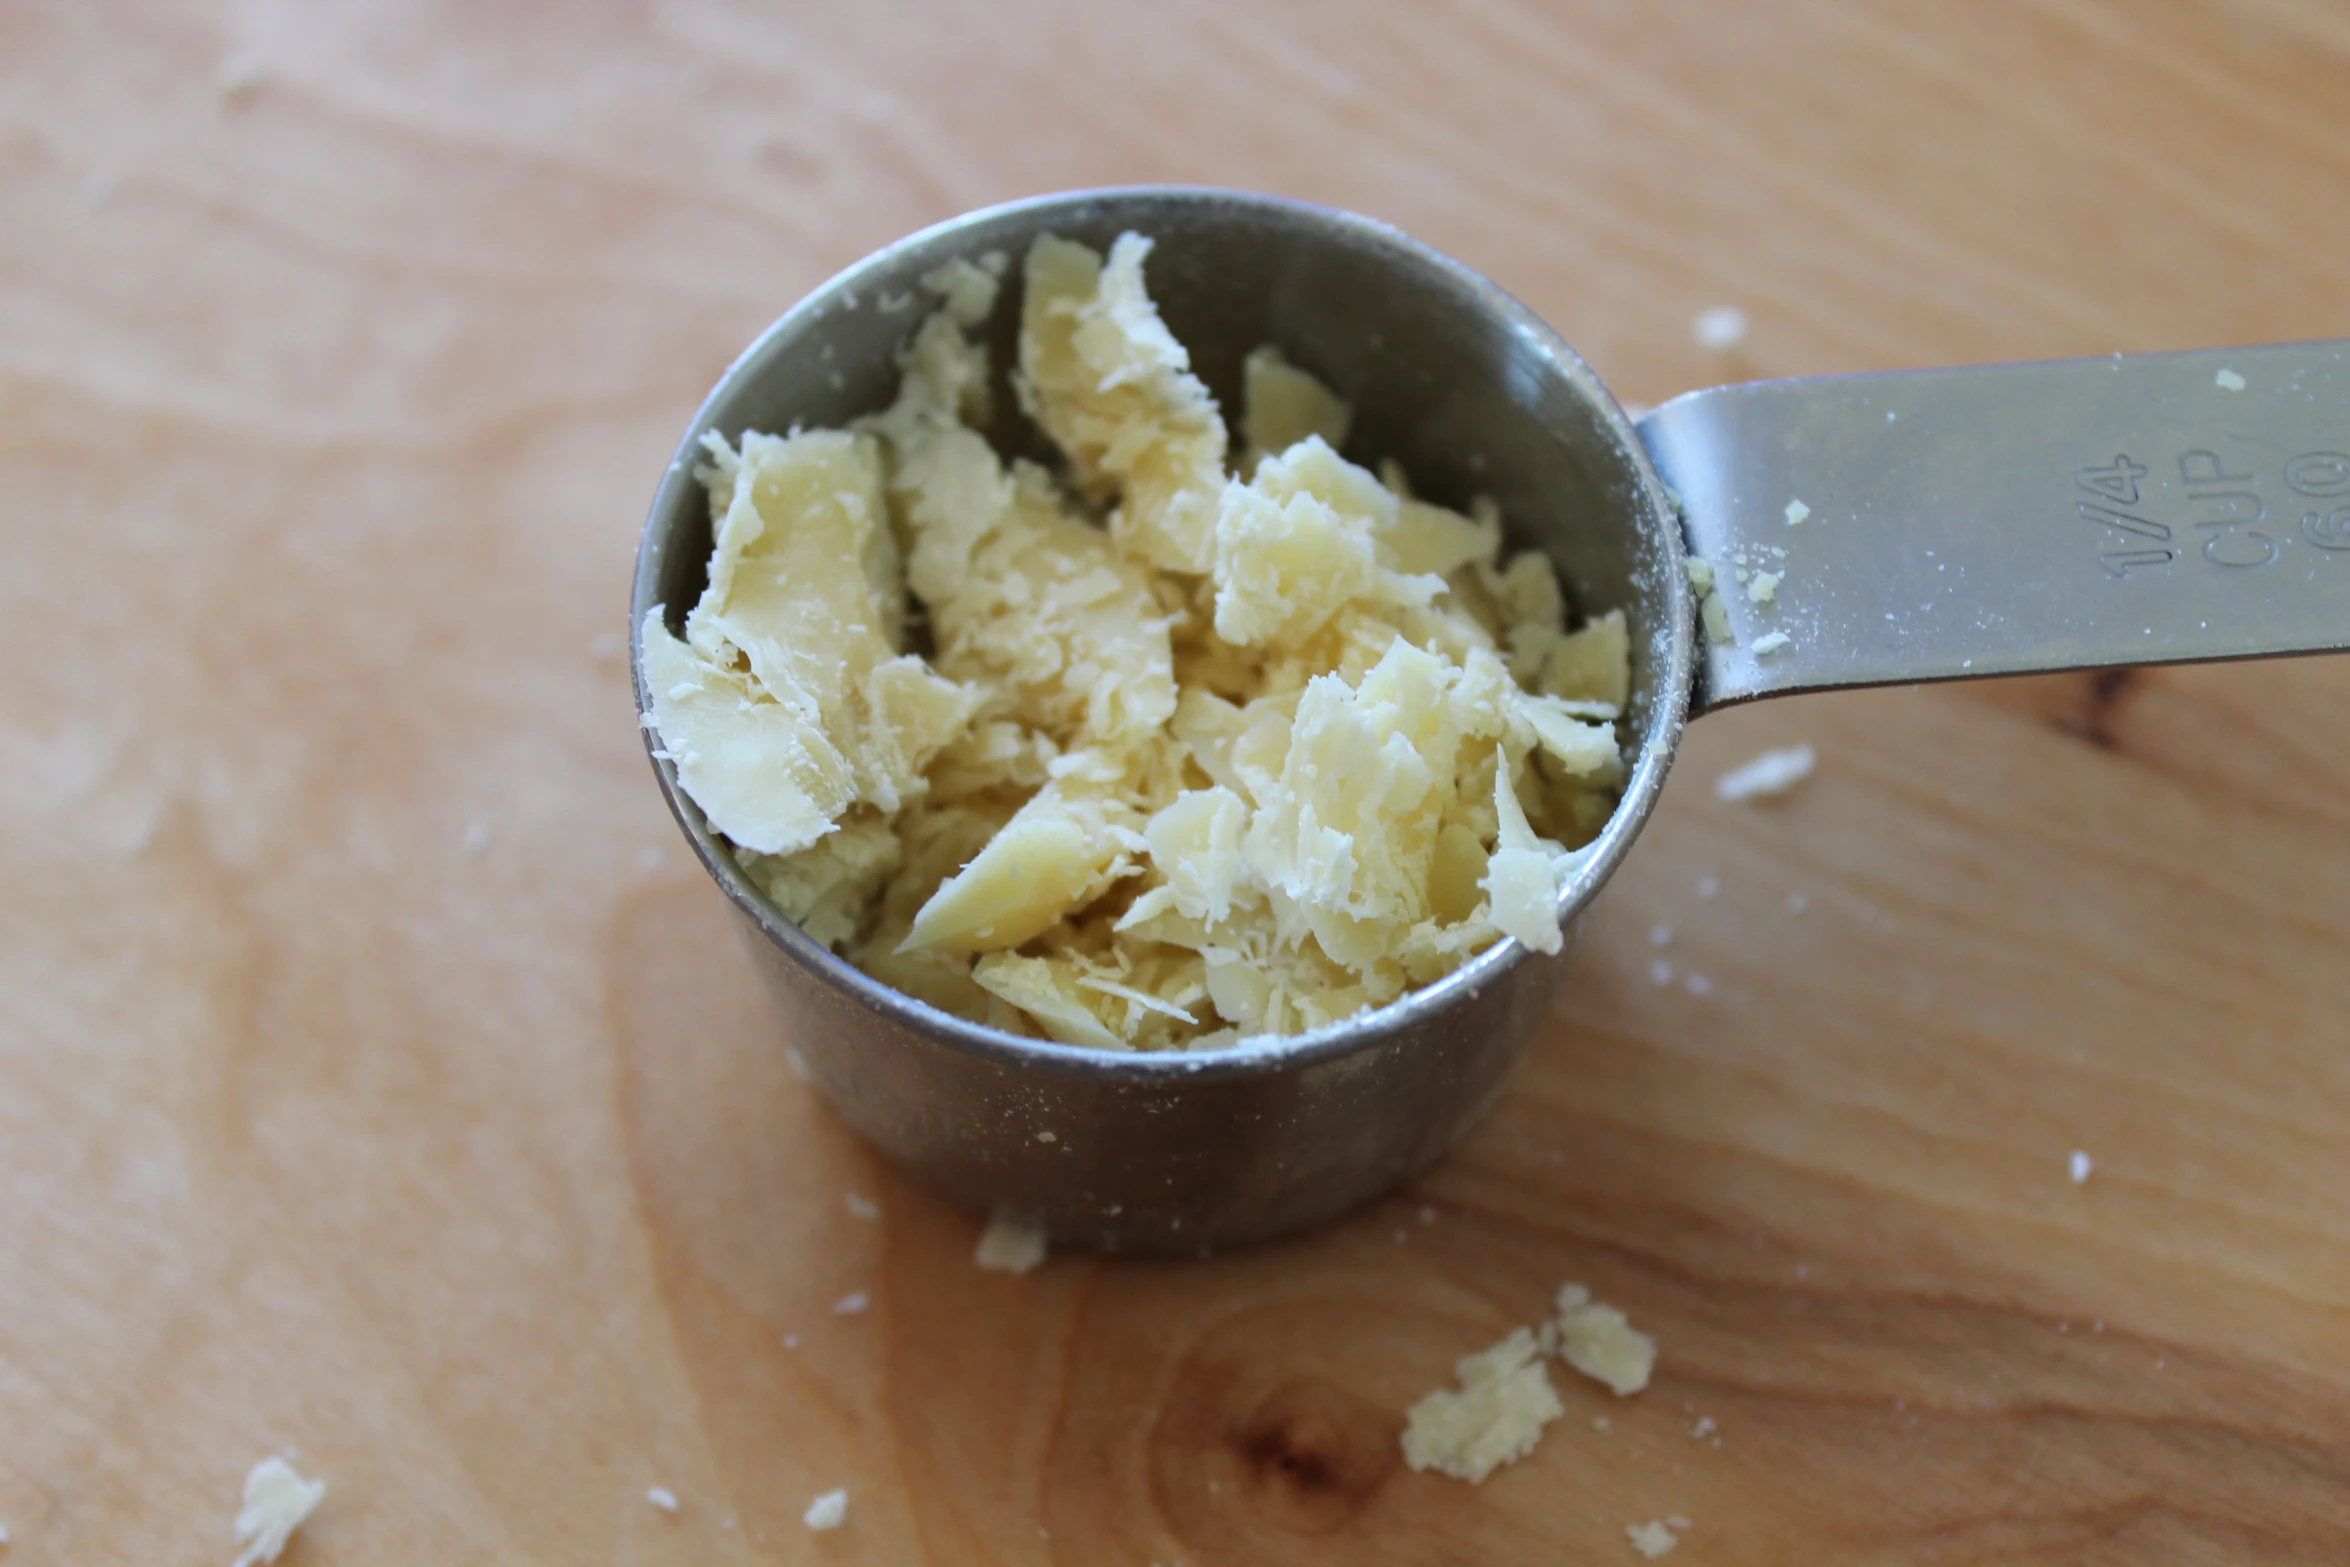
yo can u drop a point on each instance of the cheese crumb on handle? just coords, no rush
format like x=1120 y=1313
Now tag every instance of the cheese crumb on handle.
x=827 y=1511
x=1715 y=616
x=662 y=1497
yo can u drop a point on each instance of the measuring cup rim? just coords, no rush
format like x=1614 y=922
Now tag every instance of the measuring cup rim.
x=1013 y=223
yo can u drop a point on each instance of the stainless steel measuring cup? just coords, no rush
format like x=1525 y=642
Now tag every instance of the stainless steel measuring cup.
x=1946 y=524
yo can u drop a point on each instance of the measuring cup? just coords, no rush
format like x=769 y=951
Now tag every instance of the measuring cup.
x=1924 y=525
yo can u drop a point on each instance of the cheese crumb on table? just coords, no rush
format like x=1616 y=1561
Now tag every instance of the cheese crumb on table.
x=2228 y=381
x=1796 y=512
x=1772 y=773
x=277 y=1500
x=1764 y=587
x=1652 y=1540
x=1011 y=1244
x=1505 y=1398
x=1274 y=743
x=2079 y=1167
x=1598 y=1341
x=827 y=1511
x=662 y=1497
x=1724 y=326
x=1496 y=1417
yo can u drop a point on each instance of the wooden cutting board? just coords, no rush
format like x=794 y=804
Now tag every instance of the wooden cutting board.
x=380 y=1081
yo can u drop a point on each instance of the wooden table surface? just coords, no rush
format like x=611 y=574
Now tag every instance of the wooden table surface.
x=380 y=1081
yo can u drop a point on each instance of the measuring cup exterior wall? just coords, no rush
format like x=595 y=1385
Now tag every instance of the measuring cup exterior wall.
x=1152 y=1160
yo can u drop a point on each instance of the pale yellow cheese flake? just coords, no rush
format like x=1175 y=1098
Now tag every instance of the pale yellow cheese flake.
x=1353 y=821
x=1100 y=372
x=967 y=288
x=765 y=775
x=1282 y=569
x=1424 y=540
x=1714 y=615
x=1585 y=749
x=1195 y=848
x=826 y=888
x=1281 y=405
x=1496 y=1417
x=1598 y=1341
x=1057 y=854
x=787 y=701
x=1593 y=663
x=1049 y=992
x=1522 y=877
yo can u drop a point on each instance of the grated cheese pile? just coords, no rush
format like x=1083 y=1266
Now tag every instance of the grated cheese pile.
x=1248 y=755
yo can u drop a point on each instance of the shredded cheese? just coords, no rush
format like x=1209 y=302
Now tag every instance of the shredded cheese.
x=1263 y=750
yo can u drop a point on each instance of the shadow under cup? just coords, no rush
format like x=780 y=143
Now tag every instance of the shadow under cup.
x=1473 y=395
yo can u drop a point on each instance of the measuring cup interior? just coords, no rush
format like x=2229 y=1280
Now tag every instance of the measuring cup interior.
x=1448 y=375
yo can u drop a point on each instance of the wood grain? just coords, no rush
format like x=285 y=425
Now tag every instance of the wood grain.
x=472 y=1175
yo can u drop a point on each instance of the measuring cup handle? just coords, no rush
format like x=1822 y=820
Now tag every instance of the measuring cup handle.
x=1947 y=524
